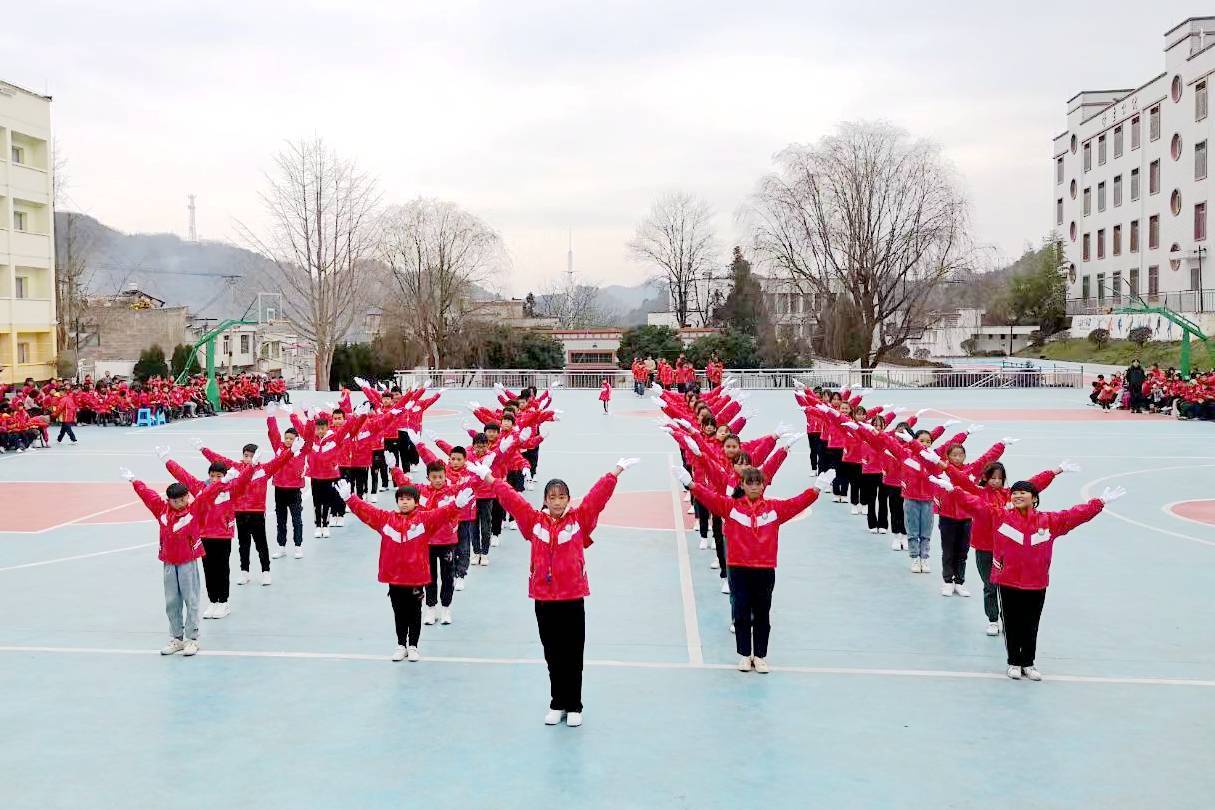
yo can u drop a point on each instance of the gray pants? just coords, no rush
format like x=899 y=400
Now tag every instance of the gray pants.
x=918 y=517
x=182 y=590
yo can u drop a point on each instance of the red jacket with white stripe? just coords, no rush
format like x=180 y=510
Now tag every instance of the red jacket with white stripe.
x=180 y=538
x=459 y=479
x=752 y=527
x=949 y=504
x=987 y=503
x=291 y=474
x=254 y=497
x=558 y=567
x=1024 y=543
x=218 y=520
x=404 y=539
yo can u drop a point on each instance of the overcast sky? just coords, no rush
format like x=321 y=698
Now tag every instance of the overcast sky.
x=541 y=115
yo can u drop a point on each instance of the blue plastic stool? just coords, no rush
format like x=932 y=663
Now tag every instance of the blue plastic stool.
x=160 y=417
x=143 y=418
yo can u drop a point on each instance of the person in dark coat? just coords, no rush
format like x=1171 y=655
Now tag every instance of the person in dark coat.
x=1135 y=376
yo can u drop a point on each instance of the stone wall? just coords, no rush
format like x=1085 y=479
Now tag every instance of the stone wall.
x=118 y=333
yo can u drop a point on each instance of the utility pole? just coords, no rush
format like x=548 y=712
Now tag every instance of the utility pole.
x=193 y=220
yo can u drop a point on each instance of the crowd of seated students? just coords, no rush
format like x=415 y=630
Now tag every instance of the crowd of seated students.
x=1156 y=390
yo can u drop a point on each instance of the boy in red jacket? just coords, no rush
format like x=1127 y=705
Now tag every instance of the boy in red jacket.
x=752 y=524
x=288 y=482
x=405 y=554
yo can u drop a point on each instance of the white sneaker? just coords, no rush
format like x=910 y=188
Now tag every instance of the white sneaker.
x=265 y=578
x=915 y=565
x=704 y=543
x=494 y=542
x=691 y=510
x=553 y=717
x=687 y=496
x=530 y=485
x=414 y=657
x=761 y=666
x=947 y=589
x=316 y=533
x=1014 y=673
x=902 y=542
x=191 y=648
x=428 y=615
x=744 y=664
x=209 y=613
x=924 y=567
x=1032 y=673
x=325 y=532
x=484 y=559
x=299 y=553
x=337 y=522
x=993 y=629
x=175 y=645
x=399 y=655
x=732 y=630
x=960 y=589
x=856 y=510
x=445 y=616
x=243 y=578
x=459 y=583
x=510 y=524
x=573 y=719
x=714 y=565
x=881 y=530
x=725 y=586
x=873 y=531
x=278 y=552
x=221 y=610
x=894 y=543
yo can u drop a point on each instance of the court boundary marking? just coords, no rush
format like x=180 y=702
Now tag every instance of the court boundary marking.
x=1168 y=510
x=614 y=664
x=1086 y=491
x=687 y=589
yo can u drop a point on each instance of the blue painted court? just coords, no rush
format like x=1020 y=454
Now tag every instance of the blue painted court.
x=883 y=694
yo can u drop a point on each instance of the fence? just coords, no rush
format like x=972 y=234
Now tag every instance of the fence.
x=978 y=376
x=1184 y=301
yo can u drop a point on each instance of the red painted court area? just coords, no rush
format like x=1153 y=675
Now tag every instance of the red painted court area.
x=260 y=414
x=42 y=506
x=1198 y=511
x=1042 y=415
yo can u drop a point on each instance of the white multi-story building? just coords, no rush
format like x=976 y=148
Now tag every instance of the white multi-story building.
x=27 y=237
x=1132 y=191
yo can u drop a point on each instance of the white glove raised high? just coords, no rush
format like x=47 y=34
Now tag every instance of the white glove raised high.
x=257 y=456
x=482 y=471
x=789 y=439
x=272 y=409
x=286 y=408
x=463 y=498
x=1111 y=494
x=905 y=436
x=624 y=463
x=1066 y=466
x=690 y=443
x=473 y=405
x=231 y=475
x=361 y=383
x=196 y=443
x=682 y=476
x=974 y=428
x=1009 y=440
x=950 y=423
x=942 y=481
x=125 y=474
x=343 y=489
x=162 y=451
x=824 y=480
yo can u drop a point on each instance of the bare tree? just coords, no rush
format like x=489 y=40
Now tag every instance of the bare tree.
x=321 y=233
x=677 y=238
x=868 y=214
x=573 y=305
x=436 y=253
x=75 y=244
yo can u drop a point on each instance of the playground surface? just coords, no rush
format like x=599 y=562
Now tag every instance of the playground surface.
x=883 y=693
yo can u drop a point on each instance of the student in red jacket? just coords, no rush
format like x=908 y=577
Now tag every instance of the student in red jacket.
x=405 y=554
x=1024 y=543
x=458 y=476
x=752 y=524
x=437 y=492
x=180 y=521
x=558 y=535
x=605 y=393
x=65 y=408
x=288 y=482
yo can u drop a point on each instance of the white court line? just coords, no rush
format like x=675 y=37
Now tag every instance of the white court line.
x=664 y=665
x=76 y=520
x=1168 y=510
x=75 y=557
x=1087 y=492
x=691 y=623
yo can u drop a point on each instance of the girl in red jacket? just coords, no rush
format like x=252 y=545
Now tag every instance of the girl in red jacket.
x=1024 y=542
x=405 y=554
x=558 y=536
x=605 y=393
x=752 y=524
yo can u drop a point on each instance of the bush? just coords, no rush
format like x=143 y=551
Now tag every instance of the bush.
x=151 y=363
x=968 y=346
x=181 y=353
x=1099 y=338
x=648 y=341
x=734 y=349
x=1140 y=335
x=352 y=360
x=899 y=353
x=922 y=354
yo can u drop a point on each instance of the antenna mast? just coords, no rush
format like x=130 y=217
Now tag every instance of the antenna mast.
x=193 y=221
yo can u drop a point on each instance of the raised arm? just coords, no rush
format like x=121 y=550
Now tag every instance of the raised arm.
x=1062 y=522
x=211 y=456
x=155 y=504
x=180 y=475
x=718 y=505
x=516 y=505
x=596 y=499
x=790 y=508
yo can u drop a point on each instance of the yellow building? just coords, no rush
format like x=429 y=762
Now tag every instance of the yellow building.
x=27 y=237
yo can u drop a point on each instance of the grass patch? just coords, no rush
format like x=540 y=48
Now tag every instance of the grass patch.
x=1116 y=353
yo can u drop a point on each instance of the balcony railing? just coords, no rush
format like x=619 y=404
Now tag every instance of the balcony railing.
x=1184 y=301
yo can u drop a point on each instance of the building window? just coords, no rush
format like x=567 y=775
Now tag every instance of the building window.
x=1084 y=288
x=1101 y=243
x=1101 y=196
x=1134 y=237
x=244 y=344
x=1175 y=147
x=1059 y=211
x=1116 y=289
x=23 y=287
x=1058 y=171
x=1175 y=202
x=1200 y=222
x=1153 y=232
x=1101 y=150
x=1084 y=253
x=18 y=154
x=226 y=347
x=1154 y=177
x=1101 y=288
x=1200 y=101
x=1073 y=189
x=1117 y=238
x=1200 y=160
x=23 y=353
x=1175 y=88
x=1072 y=232
x=20 y=220
x=587 y=358
x=1154 y=123
x=1134 y=282
x=1118 y=141
x=1088 y=156
x=1134 y=184
x=1135 y=132
x=1073 y=144
x=1117 y=190
x=1154 y=281
x=1088 y=201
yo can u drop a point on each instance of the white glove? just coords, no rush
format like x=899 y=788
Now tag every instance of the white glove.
x=197 y=443
x=783 y=428
x=748 y=414
x=657 y=401
x=525 y=434
x=942 y=481
x=557 y=415
x=656 y=387
x=126 y=474
x=470 y=426
x=850 y=424
x=974 y=428
x=729 y=382
x=463 y=498
x=790 y=439
x=558 y=384
x=473 y=405
x=272 y=409
x=888 y=406
x=1066 y=466
x=950 y=423
x=1110 y=494
x=507 y=443
x=690 y=443
x=331 y=406
x=423 y=384
x=390 y=461
x=899 y=409
x=413 y=435
x=231 y=475
x=824 y=480
x=682 y=476
x=162 y=452
x=624 y=463
x=286 y=408
x=361 y=383
x=482 y=471
x=930 y=457
x=869 y=427
x=440 y=392
x=297 y=447
x=905 y=436
x=922 y=411
x=343 y=489
x=257 y=456
x=499 y=387
x=743 y=396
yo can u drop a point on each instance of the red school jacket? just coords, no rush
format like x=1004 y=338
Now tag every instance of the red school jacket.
x=180 y=536
x=219 y=518
x=558 y=565
x=992 y=500
x=253 y=499
x=752 y=527
x=404 y=539
x=291 y=474
x=1024 y=543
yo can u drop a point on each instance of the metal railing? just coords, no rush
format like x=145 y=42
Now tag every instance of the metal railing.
x=995 y=375
x=1184 y=301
